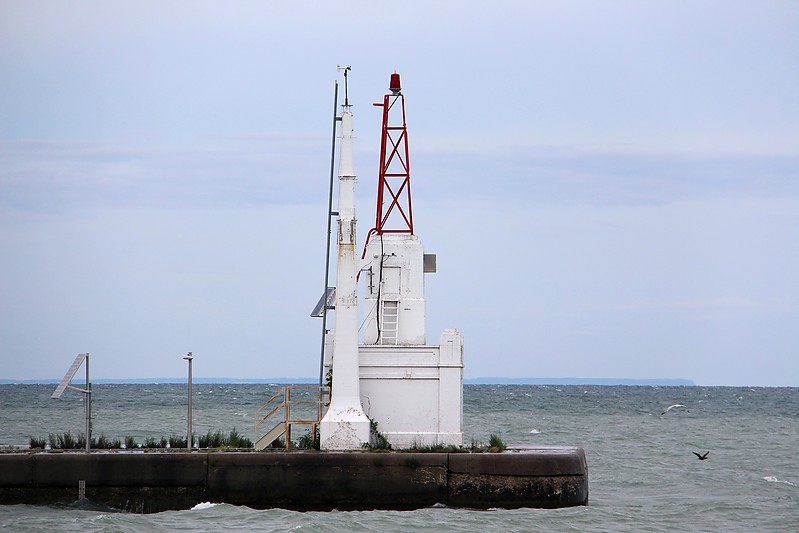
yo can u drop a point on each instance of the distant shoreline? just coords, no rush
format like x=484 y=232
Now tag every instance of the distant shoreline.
x=281 y=381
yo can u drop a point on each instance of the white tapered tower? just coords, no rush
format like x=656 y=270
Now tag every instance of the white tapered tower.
x=345 y=426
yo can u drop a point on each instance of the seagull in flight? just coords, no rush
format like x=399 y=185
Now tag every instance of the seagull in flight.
x=669 y=408
x=701 y=457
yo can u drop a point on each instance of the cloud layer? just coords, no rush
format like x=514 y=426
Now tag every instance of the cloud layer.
x=612 y=189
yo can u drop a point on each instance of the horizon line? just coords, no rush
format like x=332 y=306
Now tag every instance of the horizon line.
x=487 y=380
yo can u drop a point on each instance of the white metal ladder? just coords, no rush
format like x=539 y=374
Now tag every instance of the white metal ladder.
x=390 y=321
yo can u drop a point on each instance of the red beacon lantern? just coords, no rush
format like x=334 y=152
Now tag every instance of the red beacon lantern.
x=394 y=85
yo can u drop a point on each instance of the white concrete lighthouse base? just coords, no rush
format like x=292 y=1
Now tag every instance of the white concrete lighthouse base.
x=344 y=428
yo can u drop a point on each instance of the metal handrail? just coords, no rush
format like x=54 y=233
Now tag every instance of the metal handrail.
x=286 y=403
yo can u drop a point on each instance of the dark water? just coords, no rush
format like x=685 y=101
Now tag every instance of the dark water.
x=643 y=475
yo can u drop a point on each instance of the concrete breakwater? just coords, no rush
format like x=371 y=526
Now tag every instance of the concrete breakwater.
x=155 y=481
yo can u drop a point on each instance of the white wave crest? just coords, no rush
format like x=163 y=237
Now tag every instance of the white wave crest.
x=204 y=505
x=773 y=479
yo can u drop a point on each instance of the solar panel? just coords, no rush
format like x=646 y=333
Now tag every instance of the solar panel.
x=68 y=376
x=327 y=301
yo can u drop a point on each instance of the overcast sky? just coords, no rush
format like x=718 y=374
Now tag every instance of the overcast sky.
x=611 y=187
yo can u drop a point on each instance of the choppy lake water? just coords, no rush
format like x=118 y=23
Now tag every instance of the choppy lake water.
x=643 y=475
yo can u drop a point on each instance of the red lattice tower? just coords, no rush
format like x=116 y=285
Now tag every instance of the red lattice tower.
x=394 y=214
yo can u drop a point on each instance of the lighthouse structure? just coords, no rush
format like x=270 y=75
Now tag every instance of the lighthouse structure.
x=395 y=260
x=345 y=426
x=412 y=390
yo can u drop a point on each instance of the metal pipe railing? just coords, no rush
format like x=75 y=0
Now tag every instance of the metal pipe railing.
x=285 y=401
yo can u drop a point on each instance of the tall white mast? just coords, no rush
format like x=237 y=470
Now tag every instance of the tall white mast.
x=345 y=426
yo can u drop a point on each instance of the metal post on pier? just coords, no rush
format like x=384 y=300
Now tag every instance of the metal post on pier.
x=88 y=407
x=189 y=444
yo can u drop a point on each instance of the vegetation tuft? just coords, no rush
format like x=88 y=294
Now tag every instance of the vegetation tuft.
x=212 y=440
x=37 y=443
x=437 y=448
x=177 y=442
x=495 y=443
x=377 y=441
x=66 y=441
x=152 y=443
x=219 y=440
x=308 y=441
x=104 y=443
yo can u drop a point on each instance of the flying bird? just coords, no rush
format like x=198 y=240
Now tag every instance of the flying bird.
x=701 y=457
x=669 y=408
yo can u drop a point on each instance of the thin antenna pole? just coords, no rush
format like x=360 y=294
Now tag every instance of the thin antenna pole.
x=329 y=228
x=346 y=86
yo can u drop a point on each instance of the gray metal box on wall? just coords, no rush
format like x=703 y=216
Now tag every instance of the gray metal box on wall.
x=429 y=263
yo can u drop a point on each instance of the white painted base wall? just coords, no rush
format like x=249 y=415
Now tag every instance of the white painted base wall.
x=415 y=393
x=344 y=428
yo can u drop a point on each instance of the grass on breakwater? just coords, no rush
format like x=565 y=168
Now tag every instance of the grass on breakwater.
x=66 y=441
x=234 y=440
x=495 y=444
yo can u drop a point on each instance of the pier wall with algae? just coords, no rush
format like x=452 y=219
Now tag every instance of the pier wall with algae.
x=148 y=482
